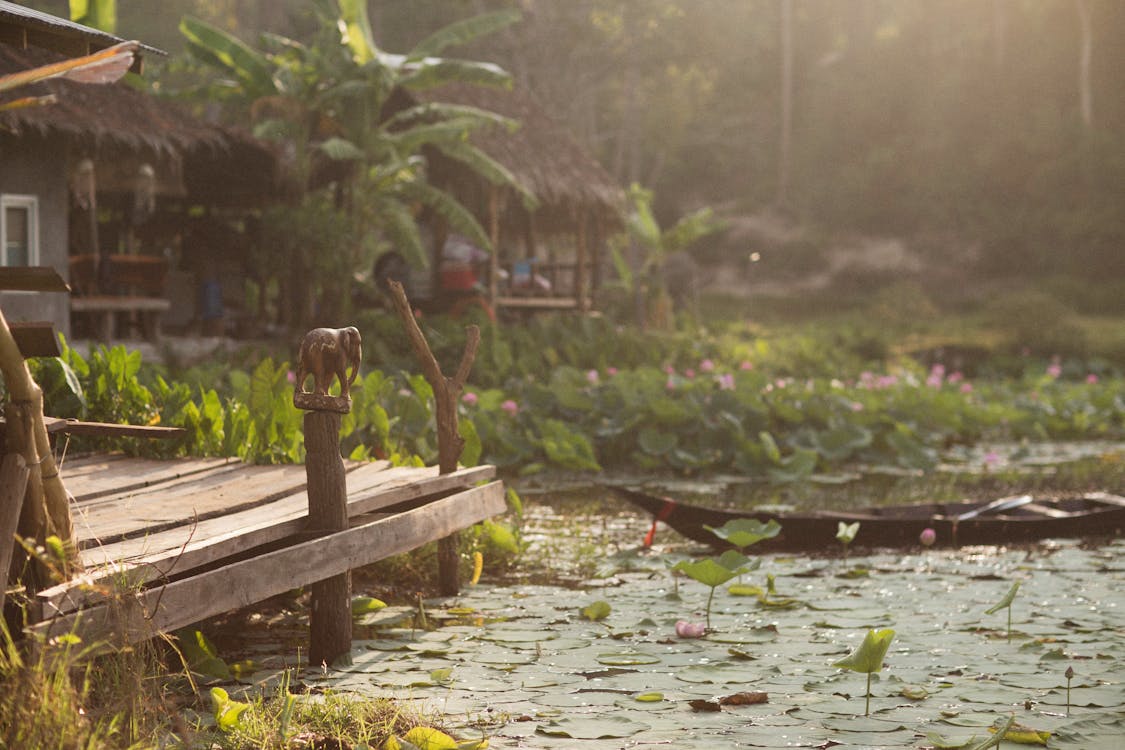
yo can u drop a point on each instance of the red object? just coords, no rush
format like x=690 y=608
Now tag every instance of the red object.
x=661 y=515
x=458 y=279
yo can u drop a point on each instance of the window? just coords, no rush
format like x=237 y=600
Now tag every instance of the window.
x=19 y=230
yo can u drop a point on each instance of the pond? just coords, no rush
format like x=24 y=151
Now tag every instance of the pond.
x=519 y=661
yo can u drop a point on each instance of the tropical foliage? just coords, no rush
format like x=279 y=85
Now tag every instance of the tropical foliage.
x=354 y=159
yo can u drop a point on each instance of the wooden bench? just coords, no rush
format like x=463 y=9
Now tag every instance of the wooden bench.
x=103 y=309
x=116 y=283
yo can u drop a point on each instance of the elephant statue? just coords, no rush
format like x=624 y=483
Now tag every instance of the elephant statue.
x=328 y=352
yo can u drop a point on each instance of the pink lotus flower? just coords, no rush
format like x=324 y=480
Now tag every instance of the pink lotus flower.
x=592 y=376
x=955 y=377
x=291 y=376
x=611 y=371
x=669 y=370
x=685 y=629
x=746 y=365
x=469 y=399
x=689 y=372
x=511 y=407
x=706 y=366
x=1054 y=369
x=670 y=385
x=966 y=388
x=927 y=537
x=726 y=382
x=1092 y=379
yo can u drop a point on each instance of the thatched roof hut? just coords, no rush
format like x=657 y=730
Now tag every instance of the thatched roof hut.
x=119 y=127
x=578 y=200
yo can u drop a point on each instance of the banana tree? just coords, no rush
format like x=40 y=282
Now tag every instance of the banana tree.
x=325 y=102
x=641 y=276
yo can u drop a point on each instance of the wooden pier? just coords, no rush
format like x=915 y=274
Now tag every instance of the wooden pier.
x=168 y=543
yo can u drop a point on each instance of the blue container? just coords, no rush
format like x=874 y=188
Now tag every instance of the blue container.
x=211 y=300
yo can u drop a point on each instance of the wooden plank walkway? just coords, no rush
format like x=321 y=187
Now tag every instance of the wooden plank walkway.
x=187 y=539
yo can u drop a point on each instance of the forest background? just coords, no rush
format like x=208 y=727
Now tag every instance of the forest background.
x=988 y=135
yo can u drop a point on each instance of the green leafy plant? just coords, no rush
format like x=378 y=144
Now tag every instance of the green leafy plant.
x=1006 y=603
x=868 y=658
x=715 y=571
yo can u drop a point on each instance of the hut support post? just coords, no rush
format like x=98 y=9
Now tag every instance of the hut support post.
x=581 y=274
x=494 y=256
x=447 y=392
x=330 y=622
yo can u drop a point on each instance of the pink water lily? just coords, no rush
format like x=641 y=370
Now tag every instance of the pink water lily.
x=746 y=365
x=1092 y=379
x=927 y=537
x=510 y=406
x=726 y=382
x=611 y=371
x=685 y=629
x=706 y=366
x=469 y=399
x=592 y=376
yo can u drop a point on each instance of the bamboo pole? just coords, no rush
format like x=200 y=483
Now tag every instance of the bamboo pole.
x=447 y=392
x=45 y=487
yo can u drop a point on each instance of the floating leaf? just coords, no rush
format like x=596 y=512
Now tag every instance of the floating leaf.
x=593 y=727
x=428 y=738
x=649 y=697
x=914 y=693
x=442 y=676
x=1022 y=735
x=599 y=610
x=744 y=699
x=708 y=705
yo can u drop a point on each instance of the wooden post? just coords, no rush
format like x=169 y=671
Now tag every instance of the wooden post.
x=330 y=621
x=327 y=353
x=447 y=392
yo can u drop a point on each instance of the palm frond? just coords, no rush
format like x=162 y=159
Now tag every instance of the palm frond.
x=488 y=168
x=433 y=71
x=460 y=219
x=441 y=111
x=462 y=32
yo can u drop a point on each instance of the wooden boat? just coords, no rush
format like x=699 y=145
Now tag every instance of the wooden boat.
x=1019 y=518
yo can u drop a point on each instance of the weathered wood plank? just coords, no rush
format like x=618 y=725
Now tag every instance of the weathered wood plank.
x=31 y=279
x=35 y=338
x=91 y=477
x=183 y=501
x=141 y=560
x=109 y=429
x=243 y=583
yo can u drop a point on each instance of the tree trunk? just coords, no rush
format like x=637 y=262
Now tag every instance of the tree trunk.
x=1085 y=91
x=447 y=393
x=785 y=138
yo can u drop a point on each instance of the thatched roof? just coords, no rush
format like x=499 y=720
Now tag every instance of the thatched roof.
x=543 y=156
x=115 y=117
x=22 y=27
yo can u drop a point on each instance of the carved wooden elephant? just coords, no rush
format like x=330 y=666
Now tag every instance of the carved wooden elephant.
x=328 y=352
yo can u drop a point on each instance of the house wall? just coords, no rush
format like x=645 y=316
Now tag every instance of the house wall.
x=33 y=165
